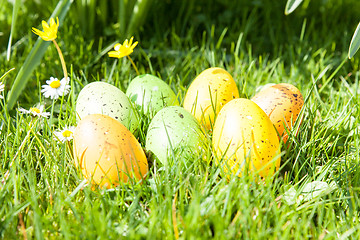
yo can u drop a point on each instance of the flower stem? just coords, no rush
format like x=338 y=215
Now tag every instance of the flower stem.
x=52 y=111
x=70 y=149
x=132 y=62
x=61 y=59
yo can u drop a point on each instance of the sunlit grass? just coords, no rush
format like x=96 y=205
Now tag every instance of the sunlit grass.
x=42 y=195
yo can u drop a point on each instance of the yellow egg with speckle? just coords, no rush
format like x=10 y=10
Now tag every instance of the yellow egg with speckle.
x=244 y=140
x=107 y=153
x=208 y=93
x=282 y=103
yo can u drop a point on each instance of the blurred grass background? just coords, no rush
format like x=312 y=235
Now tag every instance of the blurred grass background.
x=91 y=26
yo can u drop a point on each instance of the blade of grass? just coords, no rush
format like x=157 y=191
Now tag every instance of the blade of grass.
x=101 y=54
x=16 y=8
x=5 y=116
x=355 y=42
x=291 y=5
x=34 y=58
x=332 y=75
x=121 y=16
x=221 y=38
x=138 y=15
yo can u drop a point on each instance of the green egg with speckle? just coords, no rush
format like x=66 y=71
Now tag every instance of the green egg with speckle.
x=151 y=94
x=174 y=133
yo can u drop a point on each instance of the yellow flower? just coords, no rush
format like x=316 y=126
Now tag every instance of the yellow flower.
x=123 y=50
x=50 y=32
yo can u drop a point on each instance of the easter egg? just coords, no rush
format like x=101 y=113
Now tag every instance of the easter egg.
x=107 y=153
x=244 y=140
x=282 y=103
x=151 y=94
x=104 y=98
x=174 y=133
x=208 y=93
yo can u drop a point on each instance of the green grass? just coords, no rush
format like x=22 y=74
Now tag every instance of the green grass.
x=43 y=196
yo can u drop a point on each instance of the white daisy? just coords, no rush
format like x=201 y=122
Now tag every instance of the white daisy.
x=2 y=87
x=65 y=135
x=35 y=111
x=56 y=88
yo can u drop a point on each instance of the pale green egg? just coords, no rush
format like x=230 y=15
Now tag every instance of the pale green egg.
x=151 y=94
x=174 y=133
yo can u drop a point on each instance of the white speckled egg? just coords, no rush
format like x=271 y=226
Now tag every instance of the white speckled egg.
x=104 y=98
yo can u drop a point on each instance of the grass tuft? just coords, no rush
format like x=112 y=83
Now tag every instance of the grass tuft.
x=43 y=195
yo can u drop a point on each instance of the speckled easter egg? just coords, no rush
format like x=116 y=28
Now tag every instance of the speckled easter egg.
x=174 y=133
x=244 y=140
x=107 y=153
x=151 y=94
x=282 y=103
x=208 y=93
x=104 y=98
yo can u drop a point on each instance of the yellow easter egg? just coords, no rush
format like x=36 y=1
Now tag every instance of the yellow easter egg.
x=107 y=153
x=208 y=93
x=244 y=140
